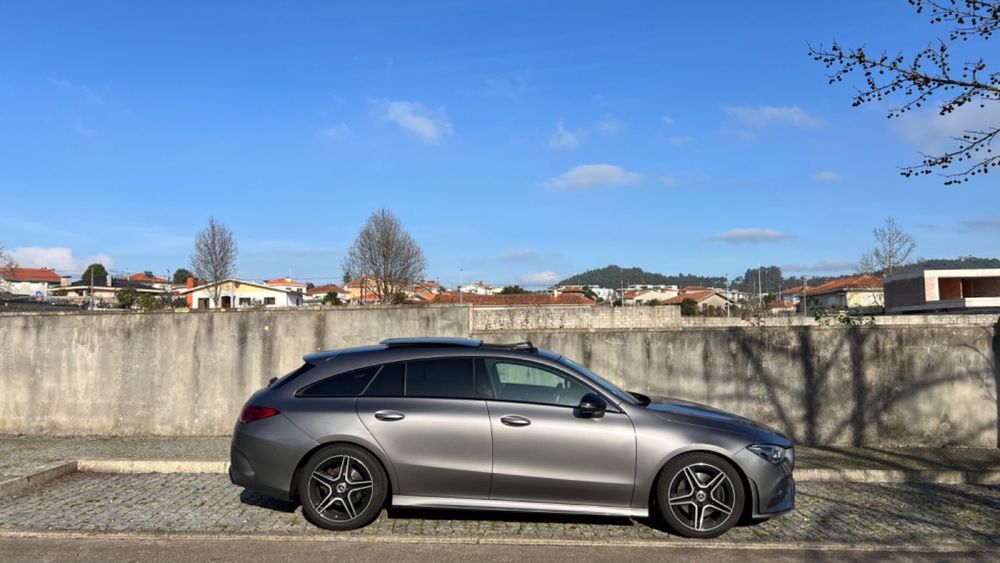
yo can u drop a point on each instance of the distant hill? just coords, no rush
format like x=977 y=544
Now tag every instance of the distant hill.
x=616 y=276
x=953 y=263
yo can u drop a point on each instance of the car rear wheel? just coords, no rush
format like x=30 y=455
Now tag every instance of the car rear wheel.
x=700 y=495
x=342 y=487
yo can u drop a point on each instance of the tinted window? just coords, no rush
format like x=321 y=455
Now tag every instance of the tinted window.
x=528 y=383
x=347 y=384
x=439 y=378
x=290 y=376
x=388 y=382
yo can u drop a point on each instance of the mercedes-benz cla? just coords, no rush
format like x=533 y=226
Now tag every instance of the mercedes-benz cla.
x=459 y=424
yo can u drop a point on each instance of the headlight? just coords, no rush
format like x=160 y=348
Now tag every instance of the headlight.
x=773 y=454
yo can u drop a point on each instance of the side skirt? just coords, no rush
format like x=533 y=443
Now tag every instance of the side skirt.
x=516 y=506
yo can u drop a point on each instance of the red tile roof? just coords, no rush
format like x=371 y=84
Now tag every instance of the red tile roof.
x=514 y=299
x=284 y=281
x=777 y=304
x=324 y=289
x=698 y=297
x=29 y=275
x=146 y=277
x=852 y=283
x=423 y=295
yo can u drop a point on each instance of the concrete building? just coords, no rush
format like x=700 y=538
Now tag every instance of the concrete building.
x=705 y=299
x=938 y=291
x=28 y=281
x=240 y=294
x=149 y=279
x=477 y=288
x=288 y=284
x=660 y=294
x=101 y=292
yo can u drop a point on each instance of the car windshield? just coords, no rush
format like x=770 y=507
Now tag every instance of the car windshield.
x=600 y=381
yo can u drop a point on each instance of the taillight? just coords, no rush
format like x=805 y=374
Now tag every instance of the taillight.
x=251 y=413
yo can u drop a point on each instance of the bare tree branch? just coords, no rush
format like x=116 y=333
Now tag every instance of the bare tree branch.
x=928 y=77
x=214 y=257
x=892 y=250
x=384 y=256
x=7 y=261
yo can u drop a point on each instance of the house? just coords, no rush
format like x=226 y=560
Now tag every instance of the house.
x=240 y=294
x=102 y=291
x=149 y=279
x=514 y=299
x=781 y=307
x=420 y=295
x=646 y=296
x=938 y=291
x=287 y=284
x=363 y=290
x=429 y=286
x=704 y=299
x=318 y=293
x=858 y=293
x=28 y=281
x=477 y=288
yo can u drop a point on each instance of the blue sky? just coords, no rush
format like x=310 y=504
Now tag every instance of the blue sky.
x=519 y=142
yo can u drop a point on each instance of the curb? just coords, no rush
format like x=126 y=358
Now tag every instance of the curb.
x=19 y=484
x=150 y=466
x=500 y=541
x=942 y=477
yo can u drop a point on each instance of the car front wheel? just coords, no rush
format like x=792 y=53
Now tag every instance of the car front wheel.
x=700 y=495
x=342 y=487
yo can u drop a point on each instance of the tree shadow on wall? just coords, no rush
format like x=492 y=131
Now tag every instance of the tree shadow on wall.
x=872 y=403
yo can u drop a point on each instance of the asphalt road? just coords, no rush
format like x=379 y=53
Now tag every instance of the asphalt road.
x=173 y=550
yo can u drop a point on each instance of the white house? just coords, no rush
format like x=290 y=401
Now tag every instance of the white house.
x=240 y=294
x=28 y=281
x=477 y=288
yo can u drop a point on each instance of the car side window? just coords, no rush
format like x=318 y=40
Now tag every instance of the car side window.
x=443 y=378
x=530 y=383
x=388 y=382
x=348 y=384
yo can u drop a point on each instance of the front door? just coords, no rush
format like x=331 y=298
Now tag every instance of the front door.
x=436 y=434
x=543 y=451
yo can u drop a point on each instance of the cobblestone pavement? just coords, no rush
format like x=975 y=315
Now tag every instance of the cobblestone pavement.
x=914 y=515
x=22 y=454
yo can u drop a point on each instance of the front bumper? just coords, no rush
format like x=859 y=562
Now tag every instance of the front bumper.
x=772 y=486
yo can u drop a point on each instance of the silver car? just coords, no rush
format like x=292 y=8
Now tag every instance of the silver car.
x=459 y=424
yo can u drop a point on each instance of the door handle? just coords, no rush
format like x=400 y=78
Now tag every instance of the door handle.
x=514 y=420
x=389 y=416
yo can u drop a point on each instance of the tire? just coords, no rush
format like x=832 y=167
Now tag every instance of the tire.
x=700 y=495
x=342 y=487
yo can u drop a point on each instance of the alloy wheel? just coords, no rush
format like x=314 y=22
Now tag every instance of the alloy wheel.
x=340 y=488
x=701 y=497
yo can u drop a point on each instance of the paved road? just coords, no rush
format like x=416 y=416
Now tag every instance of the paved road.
x=174 y=550
x=866 y=515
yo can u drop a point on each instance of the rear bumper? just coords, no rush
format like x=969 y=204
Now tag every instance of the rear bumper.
x=264 y=456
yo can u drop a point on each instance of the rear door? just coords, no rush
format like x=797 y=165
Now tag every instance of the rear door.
x=425 y=416
x=543 y=450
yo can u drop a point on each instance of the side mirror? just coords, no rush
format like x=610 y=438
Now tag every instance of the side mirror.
x=592 y=406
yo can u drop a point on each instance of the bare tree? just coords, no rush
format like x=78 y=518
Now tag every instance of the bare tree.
x=893 y=249
x=214 y=257
x=928 y=77
x=384 y=257
x=7 y=261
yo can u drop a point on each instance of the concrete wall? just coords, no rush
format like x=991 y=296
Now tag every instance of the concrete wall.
x=903 y=380
x=172 y=374
x=835 y=385
x=573 y=317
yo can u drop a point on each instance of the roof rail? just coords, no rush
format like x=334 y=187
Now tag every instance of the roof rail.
x=401 y=342
x=526 y=345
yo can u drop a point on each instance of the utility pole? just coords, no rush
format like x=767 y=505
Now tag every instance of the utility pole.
x=760 y=294
x=460 y=286
x=805 y=297
x=729 y=296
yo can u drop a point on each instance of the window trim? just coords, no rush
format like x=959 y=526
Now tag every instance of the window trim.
x=612 y=405
x=406 y=377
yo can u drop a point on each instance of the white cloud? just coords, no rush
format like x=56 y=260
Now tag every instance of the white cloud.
x=545 y=278
x=417 y=119
x=929 y=132
x=334 y=130
x=824 y=266
x=563 y=139
x=609 y=125
x=85 y=92
x=826 y=176
x=765 y=116
x=58 y=258
x=592 y=176
x=750 y=236
x=991 y=224
x=518 y=256
x=669 y=180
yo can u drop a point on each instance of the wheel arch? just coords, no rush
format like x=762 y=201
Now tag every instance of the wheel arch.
x=750 y=491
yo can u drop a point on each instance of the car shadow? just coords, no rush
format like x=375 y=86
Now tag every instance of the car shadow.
x=504 y=516
x=263 y=501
